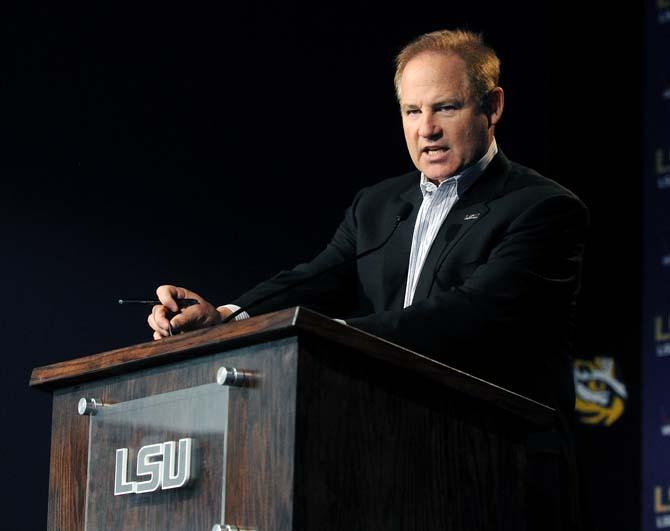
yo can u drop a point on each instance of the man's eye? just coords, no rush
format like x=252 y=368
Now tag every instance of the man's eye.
x=447 y=108
x=411 y=111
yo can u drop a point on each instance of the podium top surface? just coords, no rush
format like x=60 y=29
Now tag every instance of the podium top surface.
x=284 y=323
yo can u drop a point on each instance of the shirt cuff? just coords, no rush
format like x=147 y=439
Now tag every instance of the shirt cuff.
x=234 y=308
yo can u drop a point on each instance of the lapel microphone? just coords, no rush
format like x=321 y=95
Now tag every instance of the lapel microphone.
x=402 y=216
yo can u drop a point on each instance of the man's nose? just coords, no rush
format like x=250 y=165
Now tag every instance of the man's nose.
x=429 y=128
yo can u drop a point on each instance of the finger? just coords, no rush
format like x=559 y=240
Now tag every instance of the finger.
x=160 y=318
x=168 y=294
x=152 y=323
x=183 y=293
x=156 y=328
x=157 y=336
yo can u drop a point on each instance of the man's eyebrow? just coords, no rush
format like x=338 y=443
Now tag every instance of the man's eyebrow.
x=456 y=102
x=449 y=101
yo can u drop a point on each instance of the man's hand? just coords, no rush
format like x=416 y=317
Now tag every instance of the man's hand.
x=168 y=313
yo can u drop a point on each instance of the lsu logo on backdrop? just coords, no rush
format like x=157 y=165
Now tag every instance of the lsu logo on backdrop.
x=665 y=424
x=662 y=506
x=662 y=166
x=662 y=335
x=600 y=395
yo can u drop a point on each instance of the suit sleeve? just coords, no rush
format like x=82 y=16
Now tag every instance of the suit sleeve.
x=334 y=293
x=525 y=289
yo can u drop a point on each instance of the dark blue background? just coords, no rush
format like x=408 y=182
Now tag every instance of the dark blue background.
x=147 y=144
x=656 y=284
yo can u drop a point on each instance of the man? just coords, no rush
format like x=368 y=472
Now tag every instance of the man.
x=482 y=274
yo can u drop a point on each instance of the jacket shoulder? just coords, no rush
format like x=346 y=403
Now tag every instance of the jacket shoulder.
x=523 y=178
x=527 y=188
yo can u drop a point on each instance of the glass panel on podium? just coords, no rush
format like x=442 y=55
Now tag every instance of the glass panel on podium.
x=158 y=462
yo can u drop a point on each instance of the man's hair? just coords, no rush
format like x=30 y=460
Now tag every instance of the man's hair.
x=481 y=62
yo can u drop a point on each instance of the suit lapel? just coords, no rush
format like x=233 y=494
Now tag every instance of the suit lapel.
x=458 y=222
x=468 y=210
x=397 y=250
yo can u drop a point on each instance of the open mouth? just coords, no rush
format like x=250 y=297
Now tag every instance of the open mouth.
x=435 y=152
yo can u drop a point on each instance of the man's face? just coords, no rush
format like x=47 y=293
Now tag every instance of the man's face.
x=445 y=129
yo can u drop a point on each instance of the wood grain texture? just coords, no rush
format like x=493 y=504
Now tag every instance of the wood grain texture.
x=254 y=424
x=378 y=448
x=261 y=442
x=69 y=455
x=198 y=342
x=275 y=325
x=419 y=365
x=337 y=429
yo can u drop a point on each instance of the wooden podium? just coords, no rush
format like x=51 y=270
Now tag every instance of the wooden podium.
x=312 y=425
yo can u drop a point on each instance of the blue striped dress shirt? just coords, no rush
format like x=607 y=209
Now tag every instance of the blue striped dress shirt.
x=437 y=202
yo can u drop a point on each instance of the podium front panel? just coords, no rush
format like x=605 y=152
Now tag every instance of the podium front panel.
x=158 y=462
x=168 y=403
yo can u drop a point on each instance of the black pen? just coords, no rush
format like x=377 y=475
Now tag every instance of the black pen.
x=181 y=303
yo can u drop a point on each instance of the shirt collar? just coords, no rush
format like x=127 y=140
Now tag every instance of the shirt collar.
x=464 y=179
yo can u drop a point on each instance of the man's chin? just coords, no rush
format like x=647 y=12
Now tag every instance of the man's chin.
x=438 y=172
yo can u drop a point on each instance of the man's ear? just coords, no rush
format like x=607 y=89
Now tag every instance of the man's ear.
x=493 y=104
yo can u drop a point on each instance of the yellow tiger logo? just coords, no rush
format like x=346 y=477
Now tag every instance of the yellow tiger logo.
x=600 y=396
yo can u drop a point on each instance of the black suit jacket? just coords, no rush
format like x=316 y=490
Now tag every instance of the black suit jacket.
x=496 y=295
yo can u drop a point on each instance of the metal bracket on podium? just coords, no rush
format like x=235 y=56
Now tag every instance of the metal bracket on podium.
x=88 y=406
x=233 y=377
